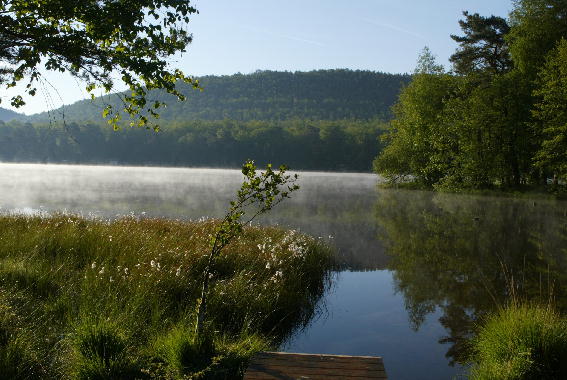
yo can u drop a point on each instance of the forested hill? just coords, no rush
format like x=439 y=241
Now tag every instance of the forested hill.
x=271 y=95
x=6 y=115
x=318 y=120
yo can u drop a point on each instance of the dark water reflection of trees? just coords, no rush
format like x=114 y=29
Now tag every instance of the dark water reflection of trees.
x=468 y=255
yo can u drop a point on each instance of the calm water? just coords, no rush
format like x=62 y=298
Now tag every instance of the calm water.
x=418 y=269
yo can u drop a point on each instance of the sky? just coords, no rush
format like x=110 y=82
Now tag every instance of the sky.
x=301 y=35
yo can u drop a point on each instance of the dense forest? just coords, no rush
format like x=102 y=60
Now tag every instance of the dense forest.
x=341 y=145
x=499 y=117
x=319 y=120
x=264 y=95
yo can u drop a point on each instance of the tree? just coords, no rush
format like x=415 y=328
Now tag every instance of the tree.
x=94 y=39
x=472 y=129
x=485 y=120
x=536 y=26
x=259 y=193
x=416 y=122
x=551 y=112
x=483 y=47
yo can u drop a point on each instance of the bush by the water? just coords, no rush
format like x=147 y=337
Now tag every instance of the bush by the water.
x=521 y=342
x=92 y=299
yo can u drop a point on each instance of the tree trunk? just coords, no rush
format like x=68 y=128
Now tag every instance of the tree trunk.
x=202 y=307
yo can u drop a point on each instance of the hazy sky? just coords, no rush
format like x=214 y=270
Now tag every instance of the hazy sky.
x=249 y=35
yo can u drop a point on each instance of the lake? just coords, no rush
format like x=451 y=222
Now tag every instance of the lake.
x=417 y=270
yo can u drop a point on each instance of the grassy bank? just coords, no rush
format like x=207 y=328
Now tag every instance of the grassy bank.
x=94 y=299
x=521 y=342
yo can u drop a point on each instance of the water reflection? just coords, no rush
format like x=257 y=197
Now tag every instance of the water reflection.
x=440 y=260
x=466 y=255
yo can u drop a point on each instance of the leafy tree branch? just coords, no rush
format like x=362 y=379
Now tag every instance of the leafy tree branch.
x=93 y=40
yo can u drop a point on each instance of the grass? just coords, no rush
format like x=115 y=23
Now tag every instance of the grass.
x=521 y=342
x=93 y=299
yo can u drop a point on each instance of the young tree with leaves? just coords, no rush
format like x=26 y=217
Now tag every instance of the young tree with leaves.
x=259 y=193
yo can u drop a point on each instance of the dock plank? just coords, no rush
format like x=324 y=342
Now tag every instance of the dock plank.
x=291 y=366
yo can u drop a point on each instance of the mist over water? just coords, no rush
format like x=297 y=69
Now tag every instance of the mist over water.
x=418 y=268
x=323 y=200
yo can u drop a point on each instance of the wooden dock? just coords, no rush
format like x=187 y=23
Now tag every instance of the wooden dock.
x=287 y=366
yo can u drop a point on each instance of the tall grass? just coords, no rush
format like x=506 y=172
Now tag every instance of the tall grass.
x=111 y=300
x=521 y=342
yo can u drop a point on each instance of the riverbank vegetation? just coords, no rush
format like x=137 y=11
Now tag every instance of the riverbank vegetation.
x=95 y=299
x=498 y=119
x=521 y=342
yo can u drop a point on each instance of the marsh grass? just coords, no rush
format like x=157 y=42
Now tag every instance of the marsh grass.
x=521 y=342
x=110 y=300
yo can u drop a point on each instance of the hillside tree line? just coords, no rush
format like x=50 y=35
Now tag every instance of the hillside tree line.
x=263 y=95
x=318 y=120
x=339 y=145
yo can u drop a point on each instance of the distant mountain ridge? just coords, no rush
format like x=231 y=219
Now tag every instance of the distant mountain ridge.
x=267 y=95
x=7 y=115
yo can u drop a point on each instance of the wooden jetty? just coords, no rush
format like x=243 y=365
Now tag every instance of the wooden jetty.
x=288 y=366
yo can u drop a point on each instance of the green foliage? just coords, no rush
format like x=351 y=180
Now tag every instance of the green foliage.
x=263 y=95
x=521 y=342
x=409 y=139
x=94 y=39
x=536 y=26
x=475 y=128
x=484 y=134
x=319 y=120
x=257 y=195
x=344 y=145
x=261 y=191
x=91 y=298
x=482 y=48
x=551 y=112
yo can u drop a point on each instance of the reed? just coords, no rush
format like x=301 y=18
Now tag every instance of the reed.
x=83 y=298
